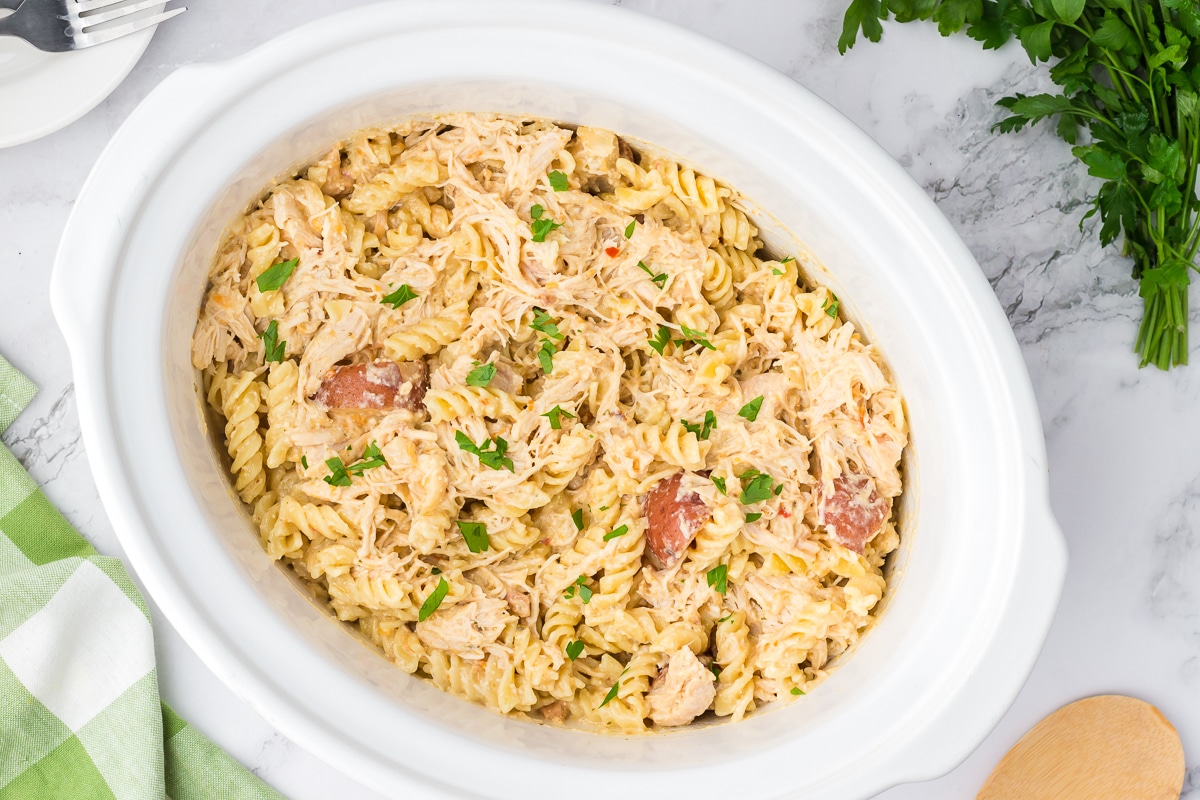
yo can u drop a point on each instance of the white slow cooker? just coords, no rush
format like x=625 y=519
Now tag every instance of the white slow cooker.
x=974 y=585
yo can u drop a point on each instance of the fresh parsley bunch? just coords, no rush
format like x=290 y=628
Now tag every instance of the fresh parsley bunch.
x=1129 y=75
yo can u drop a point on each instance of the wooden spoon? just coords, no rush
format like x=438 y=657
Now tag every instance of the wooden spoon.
x=1102 y=748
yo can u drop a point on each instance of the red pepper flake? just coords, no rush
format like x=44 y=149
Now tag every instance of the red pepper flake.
x=613 y=252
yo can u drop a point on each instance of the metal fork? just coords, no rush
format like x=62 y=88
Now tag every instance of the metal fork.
x=60 y=25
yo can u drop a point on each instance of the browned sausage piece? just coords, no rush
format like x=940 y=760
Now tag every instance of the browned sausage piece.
x=624 y=150
x=380 y=384
x=558 y=711
x=672 y=519
x=855 y=512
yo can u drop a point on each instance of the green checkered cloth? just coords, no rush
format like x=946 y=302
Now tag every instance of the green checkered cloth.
x=80 y=717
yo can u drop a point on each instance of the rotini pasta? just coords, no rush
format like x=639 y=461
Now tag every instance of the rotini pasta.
x=536 y=413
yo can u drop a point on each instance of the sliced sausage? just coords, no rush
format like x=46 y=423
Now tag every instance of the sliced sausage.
x=558 y=711
x=379 y=384
x=672 y=519
x=854 y=512
x=624 y=150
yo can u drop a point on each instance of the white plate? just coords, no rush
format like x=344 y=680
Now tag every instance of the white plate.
x=43 y=92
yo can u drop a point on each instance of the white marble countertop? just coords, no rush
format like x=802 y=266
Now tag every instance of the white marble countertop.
x=1124 y=447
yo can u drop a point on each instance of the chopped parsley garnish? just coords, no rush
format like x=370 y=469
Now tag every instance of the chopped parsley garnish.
x=612 y=693
x=787 y=259
x=574 y=649
x=715 y=669
x=615 y=532
x=701 y=430
x=629 y=229
x=304 y=461
x=434 y=600
x=717 y=578
x=725 y=618
x=750 y=411
x=692 y=335
x=271 y=345
x=660 y=278
x=371 y=459
x=776 y=271
x=475 y=534
x=720 y=484
x=482 y=375
x=778 y=489
x=580 y=585
x=758 y=488
x=754 y=516
x=544 y=323
x=831 y=308
x=490 y=451
x=276 y=275
x=436 y=571
x=399 y=297
x=541 y=225
x=661 y=339
x=546 y=356
x=558 y=181
x=556 y=414
x=338 y=475
x=604 y=508
x=577 y=518
x=797 y=691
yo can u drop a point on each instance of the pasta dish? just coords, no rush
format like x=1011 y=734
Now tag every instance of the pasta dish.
x=540 y=416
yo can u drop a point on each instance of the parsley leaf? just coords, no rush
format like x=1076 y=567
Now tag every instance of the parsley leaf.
x=776 y=271
x=660 y=279
x=558 y=181
x=692 y=335
x=580 y=584
x=831 y=308
x=753 y=517
x=541 y=225
x=546 y=356
x=797 y=691
x=304 y=461
x=701 y=430
x=400 y=296
x=490 y=451
x=482 y=375
x=612 y=694
x=475 y=534
x=758 y=488
x=787 y=259
x=272 y=347
x=276 y=275
x=717 y=578
x=615 y=532
x=574 y=649
x=715 y=669
x=629 y=229
x=720 y=484
x=749 y=412
x=577 y=518
x=372 y=458
x=556 y=414
x=661 y=339
x=544 y=323
x=338 y=475
x=434 y=600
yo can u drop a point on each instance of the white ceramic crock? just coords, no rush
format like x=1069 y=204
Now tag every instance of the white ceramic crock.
x=974 y=585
